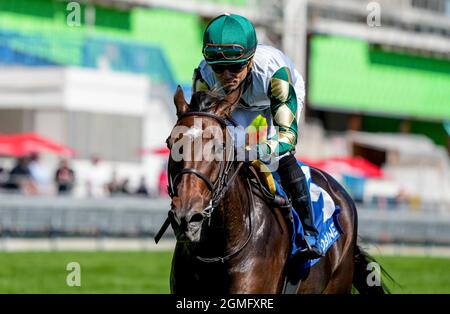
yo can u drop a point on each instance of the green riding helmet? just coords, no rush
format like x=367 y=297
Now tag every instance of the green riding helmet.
x=229 y=38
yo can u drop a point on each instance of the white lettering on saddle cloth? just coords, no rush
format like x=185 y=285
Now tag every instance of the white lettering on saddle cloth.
x=328 y=237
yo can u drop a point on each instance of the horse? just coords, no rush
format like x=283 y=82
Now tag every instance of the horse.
x=230 y=239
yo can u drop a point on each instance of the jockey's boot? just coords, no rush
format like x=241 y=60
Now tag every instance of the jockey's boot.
x=294 y=181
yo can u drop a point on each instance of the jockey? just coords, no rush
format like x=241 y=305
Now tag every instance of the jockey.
x=272 y=88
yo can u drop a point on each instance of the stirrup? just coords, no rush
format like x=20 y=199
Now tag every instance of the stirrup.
x=310 y=253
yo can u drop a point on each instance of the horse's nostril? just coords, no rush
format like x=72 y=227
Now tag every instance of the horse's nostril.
x=196 y=217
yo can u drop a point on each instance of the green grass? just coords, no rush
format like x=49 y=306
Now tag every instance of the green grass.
x=417 y=274
x=148 y=272
x=101 y=272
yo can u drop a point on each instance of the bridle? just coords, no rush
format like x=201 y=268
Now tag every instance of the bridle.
x=218 y=188
x=222 y=184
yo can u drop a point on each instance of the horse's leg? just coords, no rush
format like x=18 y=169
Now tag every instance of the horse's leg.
x=262 y=277
x=317 y=278
x=334 y=274
x=342 y=275
x=259 y=268
x=190 y=276
x=343 y=254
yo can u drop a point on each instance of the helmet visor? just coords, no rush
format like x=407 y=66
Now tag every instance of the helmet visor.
x=230 y=52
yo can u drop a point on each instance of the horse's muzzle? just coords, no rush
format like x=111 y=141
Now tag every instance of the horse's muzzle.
x=187 y=228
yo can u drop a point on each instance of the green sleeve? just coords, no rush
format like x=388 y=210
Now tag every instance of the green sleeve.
x=283 y=106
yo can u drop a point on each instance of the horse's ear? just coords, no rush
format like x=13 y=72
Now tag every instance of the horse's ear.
x=180 y=102
x=229 y=102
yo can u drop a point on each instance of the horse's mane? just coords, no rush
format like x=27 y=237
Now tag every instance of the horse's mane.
x=203 y=101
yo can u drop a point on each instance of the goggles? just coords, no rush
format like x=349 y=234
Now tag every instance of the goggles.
x=213 y=52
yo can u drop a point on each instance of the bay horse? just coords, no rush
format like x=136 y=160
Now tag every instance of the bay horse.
x=229 y=239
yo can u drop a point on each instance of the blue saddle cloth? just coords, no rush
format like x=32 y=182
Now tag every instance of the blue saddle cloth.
x=325 y=218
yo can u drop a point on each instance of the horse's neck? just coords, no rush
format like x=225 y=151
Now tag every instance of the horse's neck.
x=229 y=225
x=236 y=211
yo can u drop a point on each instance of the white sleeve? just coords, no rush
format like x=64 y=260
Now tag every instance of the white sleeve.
x=299 y=88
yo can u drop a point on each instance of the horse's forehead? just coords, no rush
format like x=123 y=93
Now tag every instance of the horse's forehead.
x=199 y=122
x=195 y=127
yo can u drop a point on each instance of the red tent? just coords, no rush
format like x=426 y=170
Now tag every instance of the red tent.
x=23 y=144
x=354 y=166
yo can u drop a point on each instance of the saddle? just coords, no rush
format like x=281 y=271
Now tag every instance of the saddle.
x=264 y=181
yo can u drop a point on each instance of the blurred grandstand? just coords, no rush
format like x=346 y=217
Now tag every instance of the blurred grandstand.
x=105 y=87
